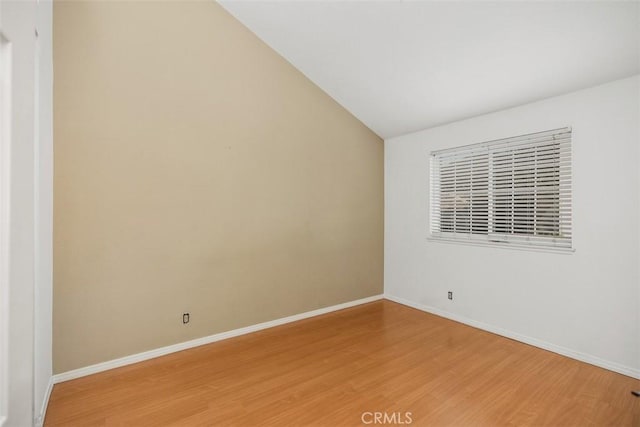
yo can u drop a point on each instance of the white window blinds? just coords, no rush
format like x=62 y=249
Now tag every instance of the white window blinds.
x=514 y=190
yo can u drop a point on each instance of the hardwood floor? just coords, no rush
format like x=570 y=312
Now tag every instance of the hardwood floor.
x=330 y=370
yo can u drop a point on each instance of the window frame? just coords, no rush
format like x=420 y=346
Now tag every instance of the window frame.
x=530 y=237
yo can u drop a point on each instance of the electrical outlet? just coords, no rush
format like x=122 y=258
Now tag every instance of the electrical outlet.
x=185 y=318
x=450 y=295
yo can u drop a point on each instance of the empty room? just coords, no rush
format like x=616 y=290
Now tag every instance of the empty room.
x=319 y=213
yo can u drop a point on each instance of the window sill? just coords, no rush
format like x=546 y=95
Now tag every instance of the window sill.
x=503 y=245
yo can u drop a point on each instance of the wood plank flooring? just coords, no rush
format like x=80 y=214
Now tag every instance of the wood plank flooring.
x=330 y=370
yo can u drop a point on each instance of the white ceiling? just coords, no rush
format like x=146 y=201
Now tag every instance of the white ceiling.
x=404 y=66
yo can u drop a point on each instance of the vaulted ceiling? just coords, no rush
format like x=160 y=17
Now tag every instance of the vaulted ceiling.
x=401 y=66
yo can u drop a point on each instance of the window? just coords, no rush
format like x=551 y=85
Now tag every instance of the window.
x=513 y=191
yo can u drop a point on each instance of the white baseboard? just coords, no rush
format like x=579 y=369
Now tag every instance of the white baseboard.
x=583 y=357
x=39 y=421
x=151 y=354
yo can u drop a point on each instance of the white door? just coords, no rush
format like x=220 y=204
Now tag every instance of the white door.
x=17 y=219
x=5 y=162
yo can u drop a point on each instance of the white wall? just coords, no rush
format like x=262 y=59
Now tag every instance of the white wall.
x=30 y=190
x=585 y=304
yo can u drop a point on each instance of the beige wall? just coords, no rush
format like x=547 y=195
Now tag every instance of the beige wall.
x=195 y=169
